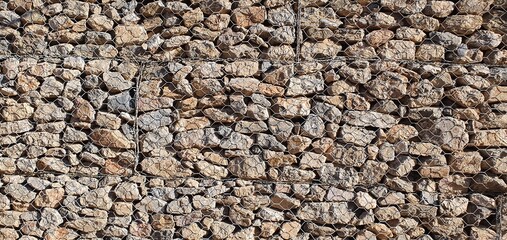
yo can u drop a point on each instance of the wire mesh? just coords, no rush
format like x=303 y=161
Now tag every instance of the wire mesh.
x=272 y=119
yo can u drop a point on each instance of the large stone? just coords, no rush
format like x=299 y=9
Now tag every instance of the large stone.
x=42 y=139
x=466 y=96
x=466 y=162
x=447 y=132
x=483 y=183
x=87 y=225
x=167 y=167
x=15 y=127
x=50 y=198
x=222 y=230
x=325 y=49
x=50 y=218
x=388 y=85
x=200 y=138
x=497 y=94
x=19 y=193
x=244 y=85
x=292 y=107
x=398 y=50
x=111 y=138
x=209 y=170
x=355 y=135
x=313 y=127
x=248 y=167
x=248 y=16
x=17 y=112
x=48 y=112
x=305 y=85
x=130 y=34
x=489 y=138
x=439 y=9
x=127 y=191
x=97 y=198
x=10 y=219
x=462 y=25
x=155 y=119
x=156 y=139
x=369 y=119
x=326 y=213
x=83 y=110
x=115 y=82
x=478 y=7
x=345 y=177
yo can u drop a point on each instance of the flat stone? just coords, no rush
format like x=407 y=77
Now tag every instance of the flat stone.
x=167 y=167
x=369 y=119
x=326 y=213
x=111 y=138
x=155 y=119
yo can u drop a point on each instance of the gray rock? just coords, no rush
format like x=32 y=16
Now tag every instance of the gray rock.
x=155 y=119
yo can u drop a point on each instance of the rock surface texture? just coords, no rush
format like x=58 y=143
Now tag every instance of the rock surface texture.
x=272 y=119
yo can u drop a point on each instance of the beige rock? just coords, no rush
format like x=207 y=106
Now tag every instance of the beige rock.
x=50 y=198
x=369 y=118
x=430 y=52
x=210 y=170
x=167 y=167
x=111 y=138
x=326 y=212
x=130 y=34
x=297 y=144
x=17 y=112
x=465 y=162
x=410 y=34
x=248 y=167
x=489 y=138
x=397 y=50
x=292 y=107
x=462 y=25
x=439 y=9
x=289 y=230
x=466 y=96
x=87 y=225
x=244 y=85
x=423 y=22
x=365 y=201
x=321 y=50
x=221 y=230
x=473 y=6
x=379 y=37
x=497 y=94
x=248 y=16
x=83 y=110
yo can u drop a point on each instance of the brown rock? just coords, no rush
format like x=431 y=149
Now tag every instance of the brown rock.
x=466 y=96
x=248 y=16
x=50 y=198
x=462 y=25
x=489 y=138
x=465 y=162
x=167 y=167
x=111 y=138
x=397 y=50
x=83 y=110
x=130 y=34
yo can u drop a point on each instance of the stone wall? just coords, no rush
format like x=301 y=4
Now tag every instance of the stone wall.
x=253 y=119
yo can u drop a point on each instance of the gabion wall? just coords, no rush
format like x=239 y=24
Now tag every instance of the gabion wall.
x=253 y=119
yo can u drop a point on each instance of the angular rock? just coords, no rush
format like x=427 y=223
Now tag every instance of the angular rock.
x=111 y=138
x=369 y=118
x=462 y=25
x=326 y=213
